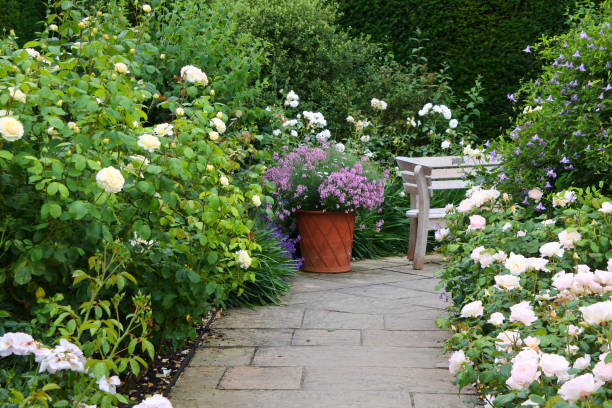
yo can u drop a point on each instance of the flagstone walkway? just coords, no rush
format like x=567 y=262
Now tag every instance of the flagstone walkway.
x=366 y=338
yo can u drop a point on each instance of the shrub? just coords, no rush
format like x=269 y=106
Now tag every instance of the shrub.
x=562 y=132
x=471 y=37
x=525 y=283
x=277 y=264
x=330 y=70
x=79 y=171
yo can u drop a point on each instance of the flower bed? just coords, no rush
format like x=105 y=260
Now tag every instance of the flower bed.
x=532 y=321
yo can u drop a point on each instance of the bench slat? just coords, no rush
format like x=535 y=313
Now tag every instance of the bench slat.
x=434 y=213
x=448 y=184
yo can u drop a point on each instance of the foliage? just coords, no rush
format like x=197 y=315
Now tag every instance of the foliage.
x=470 y=37
x=562 y=132
x=277 y=264
x=332 y=71
x=536 y=275
x=96 y=339
x=24 y=17
x=430 y=129
x=166 y=199
x=205 y=34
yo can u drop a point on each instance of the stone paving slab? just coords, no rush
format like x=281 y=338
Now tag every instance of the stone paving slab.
x=270 y=317
x=247 y=337
x=404 y=338
x=445 y=401
x=323 y=337
x=262 y=378
x=378 y=379
x=323 y=319
x=222 y=357
x=348 y=356
x=365 y=338
x=296 y=399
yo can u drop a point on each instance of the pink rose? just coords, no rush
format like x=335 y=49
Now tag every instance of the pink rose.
x=603 y=370
x=580 y=387
x=477 y=222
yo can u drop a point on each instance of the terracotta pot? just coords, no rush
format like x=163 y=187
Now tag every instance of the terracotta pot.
x=326 y=240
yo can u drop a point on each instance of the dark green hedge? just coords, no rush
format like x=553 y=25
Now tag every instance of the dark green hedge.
x=472 y=36
x=23 y=16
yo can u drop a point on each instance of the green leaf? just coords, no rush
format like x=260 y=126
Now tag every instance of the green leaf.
x=504 y=399
x=608 y=358
x=210 y=287
x=23 y=273
x=78 y=209
x=212 y=258
x=6 y=155
x=66 y=5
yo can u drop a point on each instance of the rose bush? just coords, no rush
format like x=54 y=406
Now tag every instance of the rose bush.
x=532 y=311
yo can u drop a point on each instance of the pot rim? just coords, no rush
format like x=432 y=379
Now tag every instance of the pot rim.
x=321 y=212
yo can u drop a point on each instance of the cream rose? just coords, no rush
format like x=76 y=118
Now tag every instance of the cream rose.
x=456 y=361
x=224 y=181
x=149 y=142
x=11 y=129
x=219 y=124
x=110 y=179
x=214 y=136
x=146 y=8
x=244 y=260
x=597 y=313
x=17 y=95
x=477 y=222
x=121 y=68
x=578 y=388
x=496 y=319
x=163 y=129
x=256 y=201
x=552 y=249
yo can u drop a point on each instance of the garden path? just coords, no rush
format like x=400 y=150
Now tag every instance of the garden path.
x=366 y=338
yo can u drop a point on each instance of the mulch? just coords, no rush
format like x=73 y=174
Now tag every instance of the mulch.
x=163 y=373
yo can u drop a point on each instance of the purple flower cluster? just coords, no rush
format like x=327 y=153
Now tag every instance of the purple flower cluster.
x=323 y=178
x=350 y=189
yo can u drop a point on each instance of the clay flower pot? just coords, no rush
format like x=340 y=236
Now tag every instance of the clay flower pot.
x=326 y=240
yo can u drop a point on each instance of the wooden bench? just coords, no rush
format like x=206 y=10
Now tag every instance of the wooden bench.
x=421 y=176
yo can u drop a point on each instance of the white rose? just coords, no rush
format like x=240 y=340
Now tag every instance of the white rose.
x=276 y=132
x=568 y=238
x=146 y=8
x=121 y=68
x=156 y=401
x=17 y=95
x=224 y=181
x=256 y=200
x=109 y=384
x=179 y=111
x=445 y=144
x=219 y=124
x=163 y=129
x=472 y=309
x=582 y=362
x=516 y=264
x=606 y=207
x=597 y=313
x=507 y=282
x=110 y=179
x=149 y=142
x=340 y=147
x=456 y=361
x=551 y=249
x=194 y=75
x=496 y=319
x=453 y=123
x=579 y=387
x=523 y=313
x=11 y=129
x=554 y=365
x=53 y=27
x=350 y=119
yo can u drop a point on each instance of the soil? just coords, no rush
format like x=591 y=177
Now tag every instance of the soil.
x=167 y=367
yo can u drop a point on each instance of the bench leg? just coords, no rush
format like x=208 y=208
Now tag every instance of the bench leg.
x=412 y=238
x=421 y=245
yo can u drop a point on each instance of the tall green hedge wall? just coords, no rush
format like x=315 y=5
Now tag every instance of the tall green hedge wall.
x=472 y=36
x=23 y=16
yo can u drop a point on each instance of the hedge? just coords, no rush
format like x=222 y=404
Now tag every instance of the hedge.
x=472 y=36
